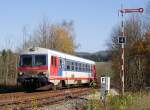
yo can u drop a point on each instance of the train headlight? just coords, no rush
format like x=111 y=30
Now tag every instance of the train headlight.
x=20 y=73
x=46 y=74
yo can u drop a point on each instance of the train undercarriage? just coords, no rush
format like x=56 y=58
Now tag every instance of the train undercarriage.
x=42 y=83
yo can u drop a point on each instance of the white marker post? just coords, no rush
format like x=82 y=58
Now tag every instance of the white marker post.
x=105 y=87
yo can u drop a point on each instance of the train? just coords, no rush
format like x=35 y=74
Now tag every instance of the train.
x=40 y=67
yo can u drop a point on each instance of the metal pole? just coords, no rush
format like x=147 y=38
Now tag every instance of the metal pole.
x=122 y=57
x=137 y=10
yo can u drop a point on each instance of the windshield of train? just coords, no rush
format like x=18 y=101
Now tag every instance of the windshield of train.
x=26 y=60
x=40 y=60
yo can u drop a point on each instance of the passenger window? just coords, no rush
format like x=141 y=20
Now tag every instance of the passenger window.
x=83 y=67
x=76 y=66
x=90 y=68
x=86 y=68
x=79 y=66
x=68 y=65
x=72 y=66
x=60 y=63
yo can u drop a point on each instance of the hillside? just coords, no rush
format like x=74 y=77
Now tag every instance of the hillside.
x=100 y=56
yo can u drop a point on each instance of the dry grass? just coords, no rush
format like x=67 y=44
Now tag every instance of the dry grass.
x=142 y=102
x=130 y=101
x=102 y=68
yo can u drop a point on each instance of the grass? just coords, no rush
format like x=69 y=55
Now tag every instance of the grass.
x=103 y=67
x=93 y=105
x=119 y=102
x=130 y=101
x=141 y=102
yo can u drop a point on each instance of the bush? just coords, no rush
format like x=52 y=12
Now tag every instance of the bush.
x=119 y=102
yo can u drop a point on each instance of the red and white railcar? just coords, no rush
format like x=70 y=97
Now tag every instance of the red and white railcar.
x=40 y=66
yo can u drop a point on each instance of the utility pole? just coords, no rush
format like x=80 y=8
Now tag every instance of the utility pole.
x=122 y=41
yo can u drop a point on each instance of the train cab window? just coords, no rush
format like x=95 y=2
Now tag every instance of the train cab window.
x=40 y=60
x=26 y=60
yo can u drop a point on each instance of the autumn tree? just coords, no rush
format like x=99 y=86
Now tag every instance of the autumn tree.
x=134 y=54
x=146 y=43
x=53 y=36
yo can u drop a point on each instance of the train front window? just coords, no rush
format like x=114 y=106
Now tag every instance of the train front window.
x=26 y=60
x=40 y=60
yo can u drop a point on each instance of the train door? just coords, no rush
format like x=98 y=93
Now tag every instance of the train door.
x=54 y=66
x=60 y=67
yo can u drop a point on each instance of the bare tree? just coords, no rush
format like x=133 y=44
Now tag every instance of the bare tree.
x=8 y=72
x=53 y=36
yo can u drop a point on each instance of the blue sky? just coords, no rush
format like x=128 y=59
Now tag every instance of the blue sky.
x=93 y=19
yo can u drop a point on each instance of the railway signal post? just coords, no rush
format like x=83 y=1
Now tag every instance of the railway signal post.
x=122 y=40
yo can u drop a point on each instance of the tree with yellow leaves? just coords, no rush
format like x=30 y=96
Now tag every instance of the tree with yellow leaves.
x=53 y=36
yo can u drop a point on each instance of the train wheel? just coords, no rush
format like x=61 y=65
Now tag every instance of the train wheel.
x=36 y=84
x=52 y=86
x=24 y=85
x=92 y=84
x=60 y=85
x=63 y=83
x=39 y=84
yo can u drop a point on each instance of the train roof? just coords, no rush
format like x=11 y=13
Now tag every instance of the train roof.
x=39 y=50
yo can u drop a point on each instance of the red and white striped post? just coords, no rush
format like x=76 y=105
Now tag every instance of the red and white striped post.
x=123 y=11
x=122 y=56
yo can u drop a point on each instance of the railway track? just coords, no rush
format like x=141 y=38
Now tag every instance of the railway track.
x=27 y=101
